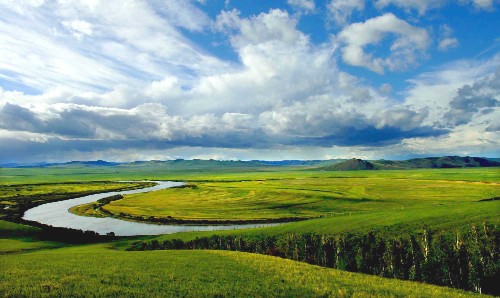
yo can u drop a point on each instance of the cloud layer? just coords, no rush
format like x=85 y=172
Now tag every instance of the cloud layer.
x=105 y=76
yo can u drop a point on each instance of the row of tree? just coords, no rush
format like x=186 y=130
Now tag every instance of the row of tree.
x=466 y=258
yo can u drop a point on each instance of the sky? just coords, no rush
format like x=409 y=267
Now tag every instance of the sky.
x=132 y=80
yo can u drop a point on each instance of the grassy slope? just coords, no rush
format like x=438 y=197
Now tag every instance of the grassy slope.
x=24 y=244
x=391 y=223
x=18 y=238
x=97 y=271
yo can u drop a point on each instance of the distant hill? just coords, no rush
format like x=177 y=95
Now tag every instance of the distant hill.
x=211 y=164
x=415 y=163
x=437 y=162
x=351 y=165
x=252 y=165
x=292 y=162
x=92 y=163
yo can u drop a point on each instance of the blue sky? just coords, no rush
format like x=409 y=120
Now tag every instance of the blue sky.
x=297 y=79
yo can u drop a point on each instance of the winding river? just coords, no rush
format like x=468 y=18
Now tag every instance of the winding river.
x=56 y=214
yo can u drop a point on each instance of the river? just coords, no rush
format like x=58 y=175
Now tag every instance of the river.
x=56 y=214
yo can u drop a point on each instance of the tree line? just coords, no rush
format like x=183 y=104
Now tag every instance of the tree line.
x=466 y=258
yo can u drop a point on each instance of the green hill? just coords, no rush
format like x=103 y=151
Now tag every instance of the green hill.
x=350 y=165
x=415 y=163
x=95 y=270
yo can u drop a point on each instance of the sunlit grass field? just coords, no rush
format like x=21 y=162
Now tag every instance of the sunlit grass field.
x=80 y=174
x=95 y=270
x=301 y=198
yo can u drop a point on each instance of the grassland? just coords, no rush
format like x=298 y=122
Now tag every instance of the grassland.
x=395 y=207
x=271 y=199
x=87 y=174
x=98 y=271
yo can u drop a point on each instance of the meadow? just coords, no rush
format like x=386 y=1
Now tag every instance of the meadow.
x=96 y=270
x=296 y=198
x=438 y=226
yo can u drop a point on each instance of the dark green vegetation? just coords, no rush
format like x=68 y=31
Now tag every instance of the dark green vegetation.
x=95 y=209
x=433 y=225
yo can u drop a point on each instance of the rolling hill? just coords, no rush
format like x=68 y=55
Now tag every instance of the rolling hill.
x=415 y=163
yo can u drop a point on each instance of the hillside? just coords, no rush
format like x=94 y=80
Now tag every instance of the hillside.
x=353 y=164
x=350 y=165
x=415 y=163
x=94 y=270
x=437 y=162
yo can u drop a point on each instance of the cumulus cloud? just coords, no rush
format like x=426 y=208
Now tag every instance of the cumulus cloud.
x=482 y=96
x=286 y=92
x=410 y=43
x=291 y=125
x=132 y=80
x=341 y=10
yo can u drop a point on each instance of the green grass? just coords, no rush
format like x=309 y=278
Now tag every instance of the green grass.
x=24 y=244
x=390 y=203
x=390 y=223
x=72 y=174
x=97 y=271
x=6 y=226
x=272 y=199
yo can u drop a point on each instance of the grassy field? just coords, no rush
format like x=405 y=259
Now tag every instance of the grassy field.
x=299 y=198
x=81 y=174
x=95 y=270
x=347 y=206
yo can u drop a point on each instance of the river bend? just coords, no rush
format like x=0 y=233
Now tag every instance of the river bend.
x=56 y=214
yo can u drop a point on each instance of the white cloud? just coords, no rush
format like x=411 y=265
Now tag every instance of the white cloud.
x=437 y=88
x=487 y=5
x=78 y=27
x=386 y=89
x=134 y=81
x=341 y=10
x=126 y=42
x=447 y=40
x=276 y=25
x=447 y=43
x=410 y=43
x=420 y=5
x=307 y=6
